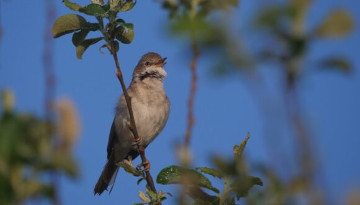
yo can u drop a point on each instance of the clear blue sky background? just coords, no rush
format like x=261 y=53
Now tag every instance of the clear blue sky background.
x=225 y=111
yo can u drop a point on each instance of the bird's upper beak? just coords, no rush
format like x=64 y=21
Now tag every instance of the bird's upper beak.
x=162 y=62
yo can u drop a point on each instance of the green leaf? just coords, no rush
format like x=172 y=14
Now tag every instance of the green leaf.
x=79 y=37
x=81 y=48
x=94 y=10
x=337 y=24
x=238 y=150
x=175 y=174
x=68 y=24
x=243 y=184
x=125 y=33
x=73 y=6
x=210 y=171
x=336 y=63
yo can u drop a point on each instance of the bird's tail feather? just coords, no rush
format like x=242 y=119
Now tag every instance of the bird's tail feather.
x=107 y=177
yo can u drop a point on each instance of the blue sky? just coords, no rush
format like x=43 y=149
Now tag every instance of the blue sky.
x=225 y=110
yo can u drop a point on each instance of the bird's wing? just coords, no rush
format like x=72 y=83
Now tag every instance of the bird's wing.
x=112 y=137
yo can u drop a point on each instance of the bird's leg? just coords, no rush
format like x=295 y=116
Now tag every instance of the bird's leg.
x=138 y=141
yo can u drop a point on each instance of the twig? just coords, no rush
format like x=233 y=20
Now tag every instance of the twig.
x=193 y=87
x=50 y=87
x=133 y=129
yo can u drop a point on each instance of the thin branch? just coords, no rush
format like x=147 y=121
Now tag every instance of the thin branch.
x=50 y=87
x=141 y=149
x=193 y=88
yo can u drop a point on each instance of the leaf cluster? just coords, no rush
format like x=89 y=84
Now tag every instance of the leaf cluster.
x=189 y=18
x=27 y=154
x=237 y=182
x=116 y=29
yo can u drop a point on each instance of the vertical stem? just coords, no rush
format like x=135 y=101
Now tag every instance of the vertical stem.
x=50 y=85
x=193 y=87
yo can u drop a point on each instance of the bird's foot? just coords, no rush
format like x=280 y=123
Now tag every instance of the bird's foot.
x=146 y=166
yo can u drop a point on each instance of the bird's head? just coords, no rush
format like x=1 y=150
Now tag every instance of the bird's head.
x=150 y=66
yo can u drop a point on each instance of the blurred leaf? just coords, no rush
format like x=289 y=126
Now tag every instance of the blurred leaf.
x=202 y=198
x=172 y=6
x=337 y=24
x=129 y=168
x=98 y=2
x=175 y=175
x=273 y=17
x=65 y=163
x=81 y=48
x=210 y=5
x=150 y=193
x=125 y=33
x=199 y=27
x=243 y=184
x=336 y=63
x=8 y=100
x=143 y=197
x=114 y=3
x=239 y=150
x=210 y=171
x=73 y=6
x=127 y=6
x=224 y=166
x=94 y=10
x=68 y=24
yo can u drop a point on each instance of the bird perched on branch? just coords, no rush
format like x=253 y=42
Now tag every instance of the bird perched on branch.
x=151 y=109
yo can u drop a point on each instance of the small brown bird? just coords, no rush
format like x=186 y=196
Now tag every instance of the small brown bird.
x=151 y=109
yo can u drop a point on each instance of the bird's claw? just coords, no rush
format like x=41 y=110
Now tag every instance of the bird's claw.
x=145 y=165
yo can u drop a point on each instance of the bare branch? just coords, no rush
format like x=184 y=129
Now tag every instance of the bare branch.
x=193 y=88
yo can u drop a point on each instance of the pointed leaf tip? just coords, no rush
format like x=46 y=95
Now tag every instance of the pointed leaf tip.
x=81 y=48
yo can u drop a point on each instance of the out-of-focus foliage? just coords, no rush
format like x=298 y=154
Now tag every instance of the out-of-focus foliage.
x=28 y=155
x=189 y=17
x=233 y=174
x=283 y=43
x=282 y=24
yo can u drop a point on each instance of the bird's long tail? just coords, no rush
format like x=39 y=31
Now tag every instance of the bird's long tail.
x=107 y=176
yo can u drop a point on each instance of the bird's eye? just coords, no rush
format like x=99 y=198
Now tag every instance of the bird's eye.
x=147 y=63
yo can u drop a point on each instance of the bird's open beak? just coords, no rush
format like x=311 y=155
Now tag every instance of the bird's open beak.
x=163 y=61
